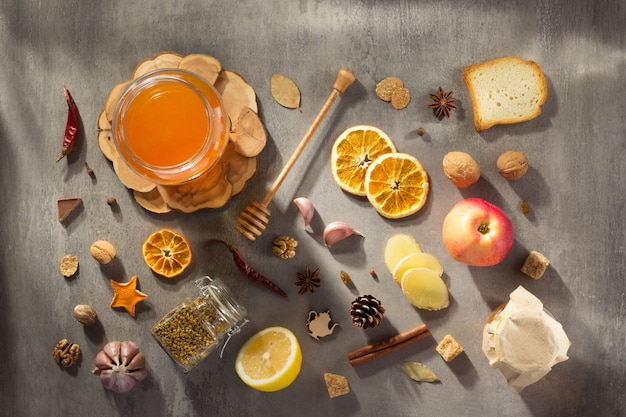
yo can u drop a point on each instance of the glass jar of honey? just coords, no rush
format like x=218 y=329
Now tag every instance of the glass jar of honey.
x=170 y=126
x=197 y=326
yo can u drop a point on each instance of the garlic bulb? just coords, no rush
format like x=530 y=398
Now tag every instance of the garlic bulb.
x=120 y=365
x=306 y=209
x=337 y=231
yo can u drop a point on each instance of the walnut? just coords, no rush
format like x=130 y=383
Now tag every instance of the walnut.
x=102 y=251
x=512 y=165
x=285 y=247
x=65 y=353
x=85 y=314
x=461 y=169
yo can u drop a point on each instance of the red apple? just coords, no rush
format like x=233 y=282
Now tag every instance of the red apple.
x=477 y=233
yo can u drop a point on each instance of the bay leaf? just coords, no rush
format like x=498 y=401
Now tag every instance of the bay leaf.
x=419 y=372
x=285 y=91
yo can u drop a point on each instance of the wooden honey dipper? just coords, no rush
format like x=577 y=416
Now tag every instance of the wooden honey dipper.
x=254 y=219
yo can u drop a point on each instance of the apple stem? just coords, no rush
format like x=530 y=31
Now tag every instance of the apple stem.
x=483 y=229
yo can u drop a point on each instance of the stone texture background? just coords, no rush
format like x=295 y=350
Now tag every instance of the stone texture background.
x=575 y=187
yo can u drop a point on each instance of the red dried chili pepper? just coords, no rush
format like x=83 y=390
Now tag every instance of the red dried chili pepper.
x=71 y=127
x=250 y=272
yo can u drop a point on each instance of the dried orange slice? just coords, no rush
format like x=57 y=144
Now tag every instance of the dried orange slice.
x=353 y=152
x=167 y=253
x=396 y=184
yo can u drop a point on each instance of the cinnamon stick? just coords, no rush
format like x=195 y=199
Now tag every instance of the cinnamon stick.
x=376 y=350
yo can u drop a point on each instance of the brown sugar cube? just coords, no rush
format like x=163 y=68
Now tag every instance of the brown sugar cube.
x=337 y=385
x=535 y=265
x=449 y=348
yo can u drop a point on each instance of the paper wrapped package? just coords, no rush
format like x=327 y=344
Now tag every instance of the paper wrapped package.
x=524 y=341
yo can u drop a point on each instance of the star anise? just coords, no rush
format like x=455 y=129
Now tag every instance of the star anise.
x=308 y=280
x=442 y=103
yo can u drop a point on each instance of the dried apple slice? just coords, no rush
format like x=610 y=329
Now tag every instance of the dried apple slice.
x=398 y=246
x=114 y=96
x=416 y=260
x=425 y=289
x=167 y=60
x=144 y=67
x=152 y=201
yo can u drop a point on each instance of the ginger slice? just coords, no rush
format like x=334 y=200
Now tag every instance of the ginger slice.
x=205 y=66
x=425 y=289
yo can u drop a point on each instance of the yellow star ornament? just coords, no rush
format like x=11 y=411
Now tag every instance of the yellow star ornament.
x=127 y=295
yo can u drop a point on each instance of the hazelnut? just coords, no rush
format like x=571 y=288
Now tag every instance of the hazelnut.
x=85 y=314
x=461 y=169
x=512 y=165
x=102 y=251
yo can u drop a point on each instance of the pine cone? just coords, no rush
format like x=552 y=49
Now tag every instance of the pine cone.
x=366 y=311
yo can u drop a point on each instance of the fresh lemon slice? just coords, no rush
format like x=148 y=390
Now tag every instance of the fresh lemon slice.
x=398 y=247
x=353 y=152
x=416 y=260
x=396 y=184
x=270 y=360
x=167 y=253
x=425 y=289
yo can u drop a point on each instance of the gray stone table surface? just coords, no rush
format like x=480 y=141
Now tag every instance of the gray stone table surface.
x=575 y=187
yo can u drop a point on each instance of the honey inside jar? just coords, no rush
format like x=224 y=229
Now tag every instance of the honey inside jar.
x=170 y=126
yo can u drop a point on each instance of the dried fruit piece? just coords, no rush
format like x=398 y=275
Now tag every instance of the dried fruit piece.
x=127 y=295
x=336 y=385
x=425 y=289
x=524 y=207
x=400 y=98
x=66 y=206
x=386 y=87
x=167 y=253
x=398 y=247
x=102 y=251
x=285 y=91
x=419 y=372
x=396 y=184
x=69 y=265
x=449 y=348
x=345 y=277
x=353 y=152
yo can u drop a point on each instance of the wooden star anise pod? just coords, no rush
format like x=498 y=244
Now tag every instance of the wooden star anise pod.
x=308 y=280
x=442 y=103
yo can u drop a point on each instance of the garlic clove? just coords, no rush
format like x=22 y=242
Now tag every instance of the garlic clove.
x=337 y=231
x=306 y=209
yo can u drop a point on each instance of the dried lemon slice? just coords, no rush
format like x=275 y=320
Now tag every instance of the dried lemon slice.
x=353 y=152
x=396 y=184
x=167 y=253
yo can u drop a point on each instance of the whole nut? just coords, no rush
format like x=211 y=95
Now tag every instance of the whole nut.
x=461 y=169
x=512 y=165
x=102 y=251
x=85 y=314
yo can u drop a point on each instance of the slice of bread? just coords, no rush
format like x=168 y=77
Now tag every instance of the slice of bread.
x=505 y=91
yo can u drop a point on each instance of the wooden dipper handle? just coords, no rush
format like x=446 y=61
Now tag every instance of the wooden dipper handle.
x=345 y=78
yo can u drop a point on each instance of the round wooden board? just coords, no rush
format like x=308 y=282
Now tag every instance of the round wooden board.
x=238 y=164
